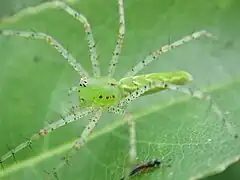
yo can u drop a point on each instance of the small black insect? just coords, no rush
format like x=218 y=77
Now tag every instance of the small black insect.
x=144 y=167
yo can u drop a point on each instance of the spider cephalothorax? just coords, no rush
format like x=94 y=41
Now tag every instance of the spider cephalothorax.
x=99 y=91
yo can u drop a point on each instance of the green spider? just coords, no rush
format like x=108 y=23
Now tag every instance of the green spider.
x=98 y=94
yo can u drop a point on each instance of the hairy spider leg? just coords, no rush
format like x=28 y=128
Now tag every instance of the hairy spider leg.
x=87 y=28
x=154 y=55
x=81 y=141
x=114 y=61
x=194 y=93
x=46 y=130
x=50 y=40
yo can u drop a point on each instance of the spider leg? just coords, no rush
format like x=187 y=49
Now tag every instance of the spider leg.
x=50 y=40
x=87 y=28
x=114 y=61
x=132 y=131
x=46 y=130
x=154 y=55
x=81 y=141
x=132 y=140
x=194 y=93
x=203 y=96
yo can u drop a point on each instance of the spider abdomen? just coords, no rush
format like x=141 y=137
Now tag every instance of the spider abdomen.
x=131 y=84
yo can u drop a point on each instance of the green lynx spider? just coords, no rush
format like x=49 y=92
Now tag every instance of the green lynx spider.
x=97 y=93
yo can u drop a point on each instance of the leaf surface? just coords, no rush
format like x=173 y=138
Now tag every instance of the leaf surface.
x=34 y=79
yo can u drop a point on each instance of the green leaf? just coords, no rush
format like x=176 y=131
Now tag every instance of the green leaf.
x=34 y=79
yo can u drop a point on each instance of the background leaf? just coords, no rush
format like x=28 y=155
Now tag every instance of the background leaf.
x=34 y=79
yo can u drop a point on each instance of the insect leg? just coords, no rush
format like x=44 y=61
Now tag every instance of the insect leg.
x=81 y=141
x=154 y=55
x=50 y=40
x=51 y=127
x=114 y=61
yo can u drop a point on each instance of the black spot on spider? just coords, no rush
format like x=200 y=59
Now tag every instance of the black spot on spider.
x=79 y=90
x=143 y=62
x=82 y=100
x=100 y=97
x=107 y=97
x=113 y=96
x=165 y=85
